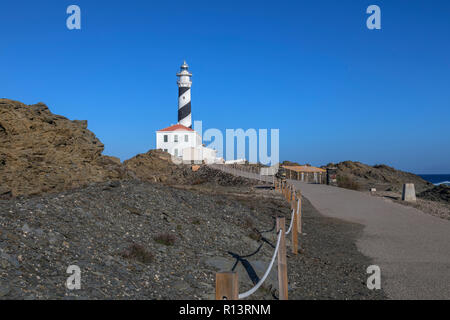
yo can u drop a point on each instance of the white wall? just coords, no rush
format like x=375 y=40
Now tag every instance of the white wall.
x=238 y=161
x=194 y=140
x=199 y=154
x=192 y=155
x=209 y=155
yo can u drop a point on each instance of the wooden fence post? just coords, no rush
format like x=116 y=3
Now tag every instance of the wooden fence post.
x=227 y=286
x=294 y=231
x=299 y=213
x=282 y=263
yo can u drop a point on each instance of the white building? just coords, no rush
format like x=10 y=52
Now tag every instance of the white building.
x=185 y=144
x=175 y=138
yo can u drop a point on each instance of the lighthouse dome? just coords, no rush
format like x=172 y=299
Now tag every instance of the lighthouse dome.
x=184 y=66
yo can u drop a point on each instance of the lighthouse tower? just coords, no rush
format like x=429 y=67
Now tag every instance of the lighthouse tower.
x=184 y=96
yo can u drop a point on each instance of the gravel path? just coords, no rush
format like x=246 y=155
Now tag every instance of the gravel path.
x=330 y=266
x=412 y=248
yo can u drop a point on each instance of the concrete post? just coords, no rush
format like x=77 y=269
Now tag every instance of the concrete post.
x=409 y=192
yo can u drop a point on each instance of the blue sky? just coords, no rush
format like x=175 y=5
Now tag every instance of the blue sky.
x=336 y=90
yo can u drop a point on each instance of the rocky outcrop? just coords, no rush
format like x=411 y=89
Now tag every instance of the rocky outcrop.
x=43 y=152
x=381 y=176
x=439 y=193
x=157 y=166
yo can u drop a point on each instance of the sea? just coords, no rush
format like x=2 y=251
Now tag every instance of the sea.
x=437 y=179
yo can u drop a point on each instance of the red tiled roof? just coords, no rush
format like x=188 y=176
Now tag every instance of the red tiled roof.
x=176 y=127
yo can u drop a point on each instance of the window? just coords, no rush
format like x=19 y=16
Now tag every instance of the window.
x=166 y=138
x=165 y=150
x=186 y=138
x=176 y=152
x=175 y=138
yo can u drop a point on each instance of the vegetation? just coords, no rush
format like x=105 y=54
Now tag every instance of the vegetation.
x=346 y=182
x=254 y=235
x=138 y=252
x=166 y=239
x=247 y=222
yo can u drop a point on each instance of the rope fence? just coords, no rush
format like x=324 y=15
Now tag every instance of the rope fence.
x=292 y=220
x=261 y=281
x=227 y=284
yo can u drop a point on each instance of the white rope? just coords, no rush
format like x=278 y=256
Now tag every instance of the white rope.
x=292 y=220
x=261 y=281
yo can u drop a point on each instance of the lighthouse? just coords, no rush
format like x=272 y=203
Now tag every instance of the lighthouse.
x=184 y=96
x=180 y=140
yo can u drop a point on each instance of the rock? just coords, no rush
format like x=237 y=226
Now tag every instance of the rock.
x=220 y=263
x=3 y=263
x=4 y=289
x=43 y=152
x=381 y=177
x=180 y=285
x=439 y=193
x=10 y=258
x=157 y=166
x=26 y=228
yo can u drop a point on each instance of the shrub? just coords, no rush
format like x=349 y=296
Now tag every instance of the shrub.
x=137 y=252
x=347 y=183
x=166 y=239
x=254 y=235
x=247 y=222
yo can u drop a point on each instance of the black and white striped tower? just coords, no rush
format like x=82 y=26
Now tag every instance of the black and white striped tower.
x=184 y=96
